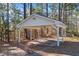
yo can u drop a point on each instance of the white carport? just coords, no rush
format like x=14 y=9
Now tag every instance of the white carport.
x=37 y=20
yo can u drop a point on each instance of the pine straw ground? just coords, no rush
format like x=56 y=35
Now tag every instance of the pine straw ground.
x=70 y=47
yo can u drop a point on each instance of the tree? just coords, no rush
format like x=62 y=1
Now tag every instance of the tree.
x=60 y=12
x=8 y=22
x=24 y=10
x=30 y=8
x=38 y=9
x=76 y=19
x=54 y=11
x=47 y=9
x=1 y=21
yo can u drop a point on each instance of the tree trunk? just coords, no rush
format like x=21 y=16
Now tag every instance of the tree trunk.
x=59 y=17
x=47 y=9
x=8 y=22
x=30 y=8
x=59 y=11
x=76 y=24
x=3 y=27
x=0 y=29
x=65 y=14
x=24 y=10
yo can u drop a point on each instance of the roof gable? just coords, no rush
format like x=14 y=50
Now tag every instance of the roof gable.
x=37 y=20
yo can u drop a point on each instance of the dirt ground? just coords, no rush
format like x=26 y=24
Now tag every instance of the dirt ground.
x=70 y=47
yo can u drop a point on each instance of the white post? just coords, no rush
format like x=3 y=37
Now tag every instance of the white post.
x=58 y=42
x=19 y=37
x=62 y=34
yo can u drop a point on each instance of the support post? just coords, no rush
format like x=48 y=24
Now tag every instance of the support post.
x=58 y=42
x=62 y=34
x=16 y=35
x=25 y=34
x=19 y=37
x=31 y=34
x=38 y=33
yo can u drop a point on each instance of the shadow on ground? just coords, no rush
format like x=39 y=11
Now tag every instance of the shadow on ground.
x=5 y=51
x=67 y=48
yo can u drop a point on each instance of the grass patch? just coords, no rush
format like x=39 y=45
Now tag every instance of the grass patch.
x=72 y=39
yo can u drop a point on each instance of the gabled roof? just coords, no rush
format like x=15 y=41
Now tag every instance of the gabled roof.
x=38 y=20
